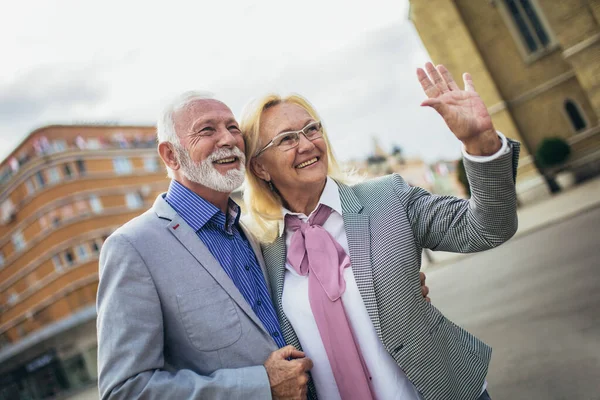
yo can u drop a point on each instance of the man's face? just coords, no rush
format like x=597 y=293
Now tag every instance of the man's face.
x=211 y=150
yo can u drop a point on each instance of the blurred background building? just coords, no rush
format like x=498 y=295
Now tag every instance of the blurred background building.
x=439 y=177
x=63 y=190
x=536 y=63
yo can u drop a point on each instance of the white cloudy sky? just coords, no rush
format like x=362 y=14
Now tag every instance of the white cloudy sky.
x=69 y=61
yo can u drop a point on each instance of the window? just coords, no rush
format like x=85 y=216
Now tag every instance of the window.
x=527 y=21
x=122 y=165
x=82 y=207
x=94 y=144
x=8 y=211
x=134 y=200
x=67 y=171
x=1 y=259
x=53 y=175
x=30 y=187
x=54 y=218
x=82 y=252
x=80 y=166
x=39 y=177
x=575 y=116
x=95 y=204
x=43 y=222
x=13 y=298
x=57 y=263
x=68 y=256
x=18 y=241
x=151 y=164
x=59 y=145
x=66 y=212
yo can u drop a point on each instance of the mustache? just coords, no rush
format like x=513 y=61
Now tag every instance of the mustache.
x=227 y=153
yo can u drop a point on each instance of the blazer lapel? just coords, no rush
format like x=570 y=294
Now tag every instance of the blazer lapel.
x=274 y=254
x=358 y=232
x=190 y=240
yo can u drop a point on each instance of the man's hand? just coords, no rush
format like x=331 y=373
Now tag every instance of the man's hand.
x=463 y=110
x=288 y=378
x=424 y=288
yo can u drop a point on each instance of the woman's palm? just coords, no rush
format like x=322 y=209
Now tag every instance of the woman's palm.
x=463 y=110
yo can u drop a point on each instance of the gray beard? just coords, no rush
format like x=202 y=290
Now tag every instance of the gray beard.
x=205 y=174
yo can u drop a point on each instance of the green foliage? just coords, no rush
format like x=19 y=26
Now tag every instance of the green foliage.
x=462 y=176
x=552 y=152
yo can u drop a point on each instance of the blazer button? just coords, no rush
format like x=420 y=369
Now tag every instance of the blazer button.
x=397 y=349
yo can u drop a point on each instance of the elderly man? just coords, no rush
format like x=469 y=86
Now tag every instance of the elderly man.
x=183 y=306
x=184 y=310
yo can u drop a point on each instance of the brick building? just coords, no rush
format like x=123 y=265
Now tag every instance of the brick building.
x=63 y=190
x=536 y=63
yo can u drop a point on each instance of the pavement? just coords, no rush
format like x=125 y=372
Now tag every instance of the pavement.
x=535 y=300
x=555 y=209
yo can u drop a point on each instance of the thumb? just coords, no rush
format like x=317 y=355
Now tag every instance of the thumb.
x=436 y=104
x=290 y=352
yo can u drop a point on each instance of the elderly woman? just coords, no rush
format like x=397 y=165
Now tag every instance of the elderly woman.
x=343 y=260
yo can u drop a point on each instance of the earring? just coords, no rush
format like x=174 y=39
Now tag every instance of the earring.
x=271 y=186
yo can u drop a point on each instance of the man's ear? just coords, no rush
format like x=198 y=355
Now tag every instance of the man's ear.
x=259 y=170
x=167 y=153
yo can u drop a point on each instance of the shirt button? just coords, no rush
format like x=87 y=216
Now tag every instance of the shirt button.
x=258 y=303
x=275 y=334
x=247 y=267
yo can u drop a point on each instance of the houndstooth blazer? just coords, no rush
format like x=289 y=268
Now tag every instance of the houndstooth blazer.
x=388 y=223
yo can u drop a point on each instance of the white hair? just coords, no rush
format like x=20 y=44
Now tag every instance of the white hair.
x=165 y=127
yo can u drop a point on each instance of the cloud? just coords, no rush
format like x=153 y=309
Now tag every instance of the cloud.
x=353 y=60
x=50 y=90
x=367 y=89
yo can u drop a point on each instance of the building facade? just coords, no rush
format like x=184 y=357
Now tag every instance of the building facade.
x=536 y=64
x=63 y=190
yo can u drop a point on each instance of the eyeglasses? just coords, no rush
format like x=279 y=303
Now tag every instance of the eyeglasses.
x=288 y=140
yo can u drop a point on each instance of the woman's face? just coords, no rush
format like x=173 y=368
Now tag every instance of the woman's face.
x=300 y=168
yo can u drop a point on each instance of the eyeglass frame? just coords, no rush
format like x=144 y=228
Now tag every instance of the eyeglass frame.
x=301 y=131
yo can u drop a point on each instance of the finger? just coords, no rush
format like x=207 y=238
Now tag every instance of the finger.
x=447 y=77
x=469 y=86
x=422 y=278
x=305 y=362
x=427 y=299
x=437 y=78
x=425 y=291
x=428 y=87
x=289 y=352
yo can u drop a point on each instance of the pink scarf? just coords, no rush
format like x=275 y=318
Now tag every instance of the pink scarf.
x=314 y=252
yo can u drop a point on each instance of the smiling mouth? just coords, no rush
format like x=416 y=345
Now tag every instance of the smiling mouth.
x=229 y=160
x=307 y=163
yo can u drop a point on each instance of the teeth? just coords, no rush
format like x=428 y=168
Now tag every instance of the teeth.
x=225 y=160
x=307 y=163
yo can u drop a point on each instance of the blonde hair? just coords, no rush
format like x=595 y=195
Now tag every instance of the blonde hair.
x=263 y=204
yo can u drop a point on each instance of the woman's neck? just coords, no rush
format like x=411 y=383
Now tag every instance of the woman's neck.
x=303 y=200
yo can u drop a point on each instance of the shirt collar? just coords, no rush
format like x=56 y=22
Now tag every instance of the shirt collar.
x=196 y=211
x=330 y=197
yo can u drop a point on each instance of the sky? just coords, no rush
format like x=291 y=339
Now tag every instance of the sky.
x=67 y=62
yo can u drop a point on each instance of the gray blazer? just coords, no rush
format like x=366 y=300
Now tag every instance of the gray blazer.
x=388 y=223
x=171 y=323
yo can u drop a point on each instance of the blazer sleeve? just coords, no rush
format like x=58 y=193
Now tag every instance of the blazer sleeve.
x=486 y=220
x=131 y=340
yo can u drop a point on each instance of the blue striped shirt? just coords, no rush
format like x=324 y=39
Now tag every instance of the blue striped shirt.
x=227 y=243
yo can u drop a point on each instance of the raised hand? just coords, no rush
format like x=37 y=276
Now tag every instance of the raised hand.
x=463 y=110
